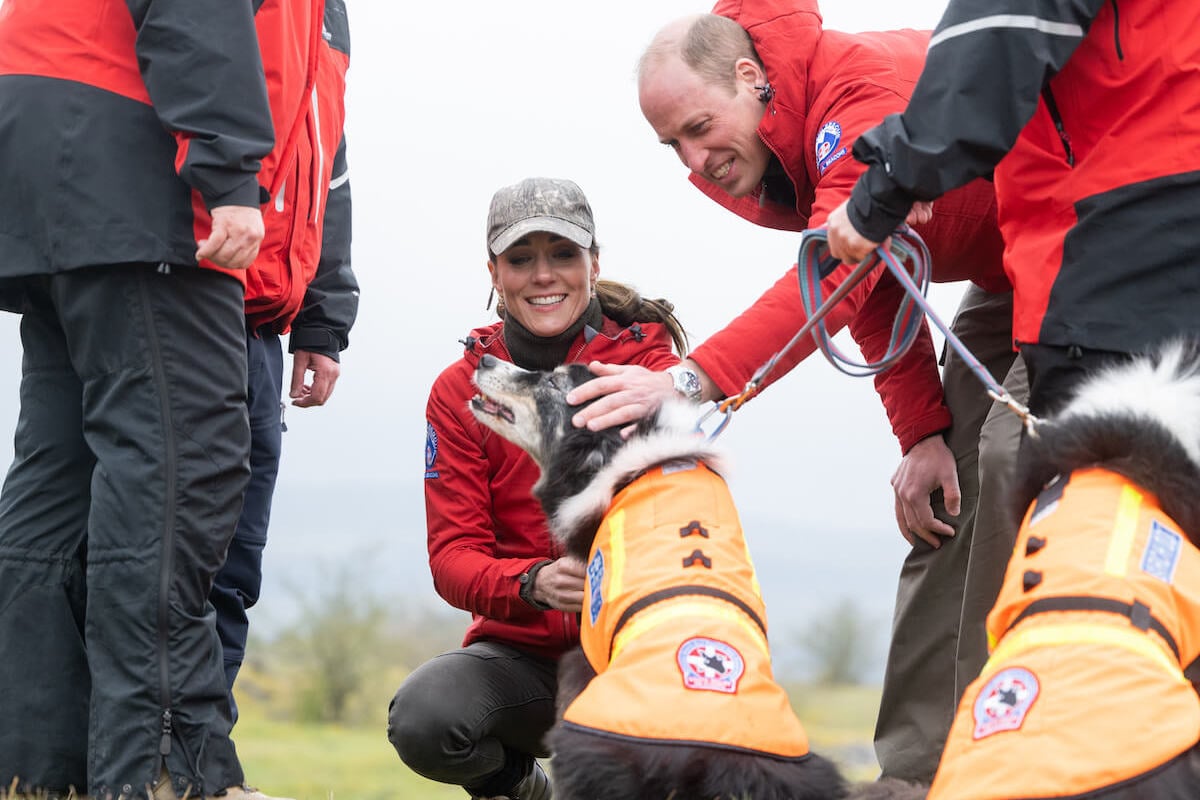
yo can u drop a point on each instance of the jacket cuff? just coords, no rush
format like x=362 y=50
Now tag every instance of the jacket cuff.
x=246 y=193
x=877 y=207
x=315 y=340
x=929 y=425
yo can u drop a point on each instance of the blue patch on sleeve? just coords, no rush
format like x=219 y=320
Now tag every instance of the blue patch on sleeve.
x=1162 y=553
x=827 y=146
x=431 y=447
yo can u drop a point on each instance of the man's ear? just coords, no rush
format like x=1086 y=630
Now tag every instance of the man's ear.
x=749 y=74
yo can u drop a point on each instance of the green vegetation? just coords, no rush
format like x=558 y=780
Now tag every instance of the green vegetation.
x=328 y=761
x=313 y=700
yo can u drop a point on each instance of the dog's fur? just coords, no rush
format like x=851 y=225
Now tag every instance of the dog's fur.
x=581 y=470
x=1139 y=419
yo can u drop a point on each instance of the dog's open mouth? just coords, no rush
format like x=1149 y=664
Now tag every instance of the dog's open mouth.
x=486 y=405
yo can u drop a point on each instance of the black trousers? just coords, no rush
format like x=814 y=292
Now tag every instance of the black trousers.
x=465 y=715
x=130 y=459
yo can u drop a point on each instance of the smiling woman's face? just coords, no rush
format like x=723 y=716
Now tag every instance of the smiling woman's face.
x=545 y=282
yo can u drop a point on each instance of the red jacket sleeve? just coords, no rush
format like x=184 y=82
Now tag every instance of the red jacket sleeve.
x=911 y=389
x=733 y=354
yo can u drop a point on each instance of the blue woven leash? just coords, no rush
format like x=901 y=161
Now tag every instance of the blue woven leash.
x=908 y=259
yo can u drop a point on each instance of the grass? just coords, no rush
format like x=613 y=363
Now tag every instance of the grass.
x=334 y=762
x=337 y=762
x=328 y=762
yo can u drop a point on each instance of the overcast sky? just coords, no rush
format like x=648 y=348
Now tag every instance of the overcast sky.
x=449 y=102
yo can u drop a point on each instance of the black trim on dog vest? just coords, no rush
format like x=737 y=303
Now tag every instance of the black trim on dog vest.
x=1138 y=613
x=677 y=591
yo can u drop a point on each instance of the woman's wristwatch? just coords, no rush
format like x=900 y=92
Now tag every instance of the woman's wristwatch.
x=526 y=580
x=686 y=382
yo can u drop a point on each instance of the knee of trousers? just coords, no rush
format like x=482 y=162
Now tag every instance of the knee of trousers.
x=422 y=731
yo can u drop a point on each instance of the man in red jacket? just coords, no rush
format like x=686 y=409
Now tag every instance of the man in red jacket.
x=762 y=105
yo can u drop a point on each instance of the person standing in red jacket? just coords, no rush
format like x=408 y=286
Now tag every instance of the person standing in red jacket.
x=301 y=280
x=476 y=716
x=1086 y=113
x=762 y=104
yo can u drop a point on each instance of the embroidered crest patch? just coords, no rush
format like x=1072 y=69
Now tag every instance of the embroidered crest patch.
x=595 y=574
x=1004 y=701
x=828 y=149
x=1162 y=553
x=431 y=447
x=710 y=665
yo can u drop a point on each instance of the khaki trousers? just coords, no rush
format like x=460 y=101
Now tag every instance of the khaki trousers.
x=939 y=642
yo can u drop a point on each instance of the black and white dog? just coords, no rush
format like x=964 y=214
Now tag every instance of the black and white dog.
x=1089 y=689
x=671 y=694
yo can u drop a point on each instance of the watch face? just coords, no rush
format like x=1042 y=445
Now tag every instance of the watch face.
x=687 y=382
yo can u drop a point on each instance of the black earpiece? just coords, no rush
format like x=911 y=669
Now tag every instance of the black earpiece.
x=765 y=92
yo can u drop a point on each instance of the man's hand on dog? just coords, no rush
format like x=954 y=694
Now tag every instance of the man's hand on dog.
x=927 y=466
x=627 y=393
x=559 y=584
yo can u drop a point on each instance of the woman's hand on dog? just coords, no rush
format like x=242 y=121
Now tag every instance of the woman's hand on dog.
x=927 y=466
x=559 y=584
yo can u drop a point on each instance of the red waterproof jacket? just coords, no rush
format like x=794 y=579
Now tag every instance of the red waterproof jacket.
x=484 y=526
x=306 y=86
x=828 y=88
x=1086 y=112
x=134 y=118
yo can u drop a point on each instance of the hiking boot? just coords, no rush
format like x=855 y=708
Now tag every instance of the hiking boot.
x=242 y=793
x=164 y=790
x=534 y=786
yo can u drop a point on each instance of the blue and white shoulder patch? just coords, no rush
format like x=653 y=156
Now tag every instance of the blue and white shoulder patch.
x=1161 y=555
x=829 y=146
x=431 y=450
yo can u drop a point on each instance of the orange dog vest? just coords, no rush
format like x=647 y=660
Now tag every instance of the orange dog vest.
x=1097 y=618
x=675 y=626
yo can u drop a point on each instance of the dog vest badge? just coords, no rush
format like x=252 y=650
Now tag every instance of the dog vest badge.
x=710 y=665
x=827 y=149
x=1004 y=701
x=595 y=574
x=1161 y=555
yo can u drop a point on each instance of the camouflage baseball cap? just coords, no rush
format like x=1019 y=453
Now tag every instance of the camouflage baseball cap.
x=549 y=205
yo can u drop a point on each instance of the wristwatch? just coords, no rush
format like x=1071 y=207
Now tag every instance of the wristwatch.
x=686 y=381
x=526 y=591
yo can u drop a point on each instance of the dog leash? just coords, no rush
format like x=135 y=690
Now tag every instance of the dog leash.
x=814 y=263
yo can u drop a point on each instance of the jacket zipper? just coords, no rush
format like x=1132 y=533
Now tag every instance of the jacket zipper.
x=1052 y=107
x=1117 y=30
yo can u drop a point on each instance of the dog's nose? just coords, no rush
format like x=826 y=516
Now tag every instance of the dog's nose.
x=488 y=361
